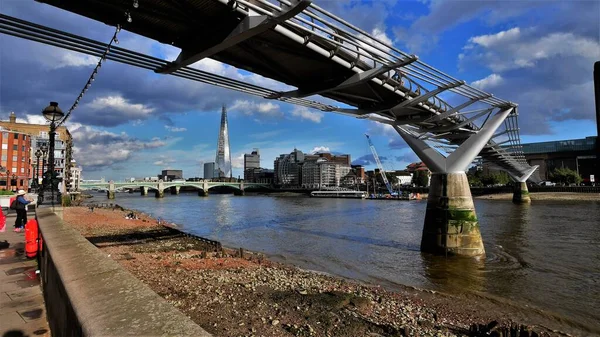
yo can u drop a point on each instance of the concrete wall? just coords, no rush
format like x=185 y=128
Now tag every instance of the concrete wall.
x=89 y=294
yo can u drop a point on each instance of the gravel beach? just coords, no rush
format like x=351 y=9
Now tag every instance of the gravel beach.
x=230 y=292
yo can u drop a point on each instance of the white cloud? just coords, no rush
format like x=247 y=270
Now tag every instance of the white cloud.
x=307 y=114
x=503 y=37
x=33 y=119
x=120 y=104
x=267 y=109
x=516 y=49
x=318 y=149
x=174 y=128
x=101 y=149
x=237 y=161
x=488 y=82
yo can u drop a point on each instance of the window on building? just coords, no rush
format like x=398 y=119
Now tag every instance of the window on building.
x=14 y=170
x=15 y=158
x=22 y=170
x=21 y=182
x=15 y=147
x=44 y=134
x=24 y=137
x=16 y=135
x=4 y=146
x=4 y=157
x=23 y=148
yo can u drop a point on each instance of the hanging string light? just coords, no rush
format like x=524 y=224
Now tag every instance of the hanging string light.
x=92 y=76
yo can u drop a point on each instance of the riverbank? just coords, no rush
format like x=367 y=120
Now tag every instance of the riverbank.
x=562 y=196
x=233 y=295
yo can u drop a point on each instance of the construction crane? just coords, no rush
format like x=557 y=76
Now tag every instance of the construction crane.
x=381 y=170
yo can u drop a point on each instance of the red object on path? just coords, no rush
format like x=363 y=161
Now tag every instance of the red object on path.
x=2 y=221
x=31 y=238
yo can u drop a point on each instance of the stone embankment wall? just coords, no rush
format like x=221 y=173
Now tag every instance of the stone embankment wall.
x=89 y=294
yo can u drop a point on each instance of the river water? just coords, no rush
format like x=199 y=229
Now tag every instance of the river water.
x=546 y=254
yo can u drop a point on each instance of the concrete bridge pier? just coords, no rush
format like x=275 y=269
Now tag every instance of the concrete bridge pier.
x=521 y=193
x=175 y=190
x=240 y=191
x=160 y=191
x=451 y=226
x=204 y=191
x=110 y=194
x=144 y=190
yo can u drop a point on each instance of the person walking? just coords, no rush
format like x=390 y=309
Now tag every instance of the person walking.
x=20 y=207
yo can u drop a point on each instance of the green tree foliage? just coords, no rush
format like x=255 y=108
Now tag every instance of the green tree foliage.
x=420 y=178
x=565 y=176
x=478 y=179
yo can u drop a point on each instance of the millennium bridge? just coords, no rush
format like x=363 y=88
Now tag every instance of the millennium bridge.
x=447 y=122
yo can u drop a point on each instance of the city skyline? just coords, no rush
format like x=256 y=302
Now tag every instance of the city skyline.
x=133 y=122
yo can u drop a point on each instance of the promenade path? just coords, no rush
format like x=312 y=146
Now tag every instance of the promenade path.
x=22 y=309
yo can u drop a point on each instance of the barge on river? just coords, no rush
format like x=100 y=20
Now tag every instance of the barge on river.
x=339 y=194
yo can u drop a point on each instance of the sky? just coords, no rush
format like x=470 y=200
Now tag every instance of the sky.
x=135 y=123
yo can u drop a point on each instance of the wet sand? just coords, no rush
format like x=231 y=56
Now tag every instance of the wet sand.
x=563 y=196
x=232 y=295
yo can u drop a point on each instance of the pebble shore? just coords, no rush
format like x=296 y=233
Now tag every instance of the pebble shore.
x=231 y=292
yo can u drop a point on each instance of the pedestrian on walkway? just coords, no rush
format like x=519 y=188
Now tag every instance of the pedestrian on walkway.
x=20 y=206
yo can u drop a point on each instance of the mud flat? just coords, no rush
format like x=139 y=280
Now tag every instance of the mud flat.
x=232 y=292
x=563 y=196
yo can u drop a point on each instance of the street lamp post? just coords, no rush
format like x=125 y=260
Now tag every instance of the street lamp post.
x=53 y=114
x=14 y=177
x=38 y=154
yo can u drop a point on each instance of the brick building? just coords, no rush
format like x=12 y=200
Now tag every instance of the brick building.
x=15 y=170
x=40 y=136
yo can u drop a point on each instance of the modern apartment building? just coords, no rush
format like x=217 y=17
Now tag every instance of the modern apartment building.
x=311 y=171
x=63 y=147
x=15 y=165
x=75 y=176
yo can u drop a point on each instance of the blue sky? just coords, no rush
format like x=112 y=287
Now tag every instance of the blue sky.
x=133 y=122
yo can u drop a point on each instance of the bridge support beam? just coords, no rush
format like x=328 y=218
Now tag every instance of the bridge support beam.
x=175 y=190
x=160 y=190
x=203 y=193
x=521 y=193
x=451 y=226
x=144 y=190
x=110 y=194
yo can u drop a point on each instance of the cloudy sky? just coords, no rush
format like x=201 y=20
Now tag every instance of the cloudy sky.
x=133 y=122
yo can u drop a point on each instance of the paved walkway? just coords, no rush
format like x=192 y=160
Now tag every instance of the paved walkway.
x=22 y=309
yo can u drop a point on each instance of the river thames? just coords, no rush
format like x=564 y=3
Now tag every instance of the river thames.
x=545 y=255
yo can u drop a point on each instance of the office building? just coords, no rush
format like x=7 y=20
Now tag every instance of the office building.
x=209 y=171
x=251 y=163
x=170 y=175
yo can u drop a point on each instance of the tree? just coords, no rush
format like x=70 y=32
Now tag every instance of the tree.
x=420 y=178
x=565 y=176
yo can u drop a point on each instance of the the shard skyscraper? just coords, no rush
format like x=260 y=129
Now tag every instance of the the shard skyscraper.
x=223 y=159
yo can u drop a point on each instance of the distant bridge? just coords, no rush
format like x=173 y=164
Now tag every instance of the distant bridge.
x=302 y=45
x=160 y=187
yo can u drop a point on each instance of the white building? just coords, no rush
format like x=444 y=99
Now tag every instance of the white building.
x=75 y=176
x=323 y=173
x=404 y=180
